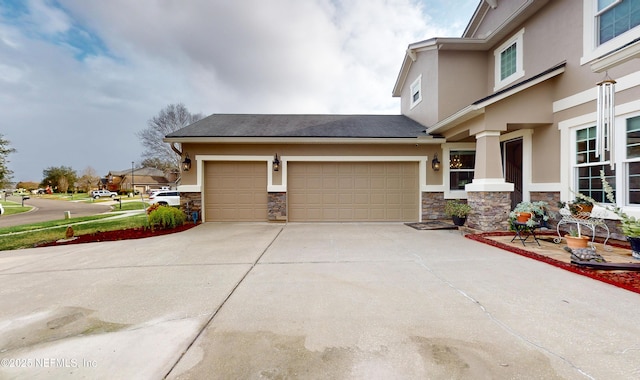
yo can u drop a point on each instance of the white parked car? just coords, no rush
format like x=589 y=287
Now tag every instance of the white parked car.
x=165 y=198
x=1 y=210
x=95 y=194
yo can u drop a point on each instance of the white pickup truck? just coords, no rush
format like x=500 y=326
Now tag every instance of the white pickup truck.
x=95 y=194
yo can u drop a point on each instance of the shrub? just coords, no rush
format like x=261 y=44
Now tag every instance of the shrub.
x=152 y=208
x=166 y=217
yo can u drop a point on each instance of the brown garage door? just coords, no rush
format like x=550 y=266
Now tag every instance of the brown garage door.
x=353 y=191
x=235 y=191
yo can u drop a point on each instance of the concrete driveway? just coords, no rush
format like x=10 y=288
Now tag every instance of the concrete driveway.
x=321 y=301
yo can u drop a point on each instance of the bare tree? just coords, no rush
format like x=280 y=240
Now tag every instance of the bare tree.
x=88 y=180
x=5 y=173
x=170 y=119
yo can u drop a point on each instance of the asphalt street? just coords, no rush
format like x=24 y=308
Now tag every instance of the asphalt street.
x=50 y=209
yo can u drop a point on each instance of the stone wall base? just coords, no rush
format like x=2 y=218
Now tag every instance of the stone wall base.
x=490 y=210
x=191 y=202
x=433 y=206
x=277 y=207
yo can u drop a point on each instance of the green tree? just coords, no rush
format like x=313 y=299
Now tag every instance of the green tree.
x=5 y=151
x=170 y=119
x=59 y=178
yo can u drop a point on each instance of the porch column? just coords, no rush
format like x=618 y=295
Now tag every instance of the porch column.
x=489 y=194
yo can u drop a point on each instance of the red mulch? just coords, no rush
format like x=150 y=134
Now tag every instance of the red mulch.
x=628 y=280
x=134 y=233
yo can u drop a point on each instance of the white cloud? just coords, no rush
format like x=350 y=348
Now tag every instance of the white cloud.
x=249 y=56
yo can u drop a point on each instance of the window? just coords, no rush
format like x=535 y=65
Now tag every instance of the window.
x=416 y=91
x=633 y=160
x=615 y=17
x=609 y=25
x=509 y=61
x=461 y=165
x=588 y=166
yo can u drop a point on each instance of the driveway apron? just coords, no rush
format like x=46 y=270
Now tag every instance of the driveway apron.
x=350 y=301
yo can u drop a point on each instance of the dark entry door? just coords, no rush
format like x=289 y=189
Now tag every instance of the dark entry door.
x=512 y=163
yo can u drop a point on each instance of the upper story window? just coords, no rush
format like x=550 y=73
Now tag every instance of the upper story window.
x=615 y=17
x=416 y=91
x=509 y=61
x=608 y=25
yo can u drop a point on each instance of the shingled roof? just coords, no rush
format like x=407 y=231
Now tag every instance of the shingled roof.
x=328 y=126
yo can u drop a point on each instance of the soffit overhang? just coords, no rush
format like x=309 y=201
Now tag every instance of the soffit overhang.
x=478 y=107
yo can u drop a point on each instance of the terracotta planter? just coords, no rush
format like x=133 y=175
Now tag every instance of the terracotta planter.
x=523 y=217
x=577 y=241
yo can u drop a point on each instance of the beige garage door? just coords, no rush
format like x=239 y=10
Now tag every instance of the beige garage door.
x=235 y=191
x=353 y=191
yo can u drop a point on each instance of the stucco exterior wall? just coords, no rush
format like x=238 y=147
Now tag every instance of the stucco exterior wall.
x=426 y=112
x=313 y=150
x=461 y=80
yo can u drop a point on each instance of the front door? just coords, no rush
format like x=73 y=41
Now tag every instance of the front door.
x=512 y=163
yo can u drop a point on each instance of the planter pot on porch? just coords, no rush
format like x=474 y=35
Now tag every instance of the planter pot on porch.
x=635 y=246
x=459 y=220
x=523 y=217
x=577 y=241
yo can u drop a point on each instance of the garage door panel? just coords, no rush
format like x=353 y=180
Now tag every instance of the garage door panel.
x=353 y=191
x=235 y=191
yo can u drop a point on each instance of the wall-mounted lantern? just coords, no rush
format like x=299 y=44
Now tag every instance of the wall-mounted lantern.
x=186 y=164
x=276 y=163
x=435 y=164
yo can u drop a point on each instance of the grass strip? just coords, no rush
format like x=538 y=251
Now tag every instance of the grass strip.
x=57 y=232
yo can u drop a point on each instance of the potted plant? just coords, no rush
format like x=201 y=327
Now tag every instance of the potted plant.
x=457 y=210
x=530 y=213
x=575 y=240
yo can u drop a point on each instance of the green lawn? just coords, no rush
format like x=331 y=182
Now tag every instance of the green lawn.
x=29 y=235
x=11 y=208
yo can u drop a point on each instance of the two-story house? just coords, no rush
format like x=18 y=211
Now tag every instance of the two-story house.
x=515 y=99
x=507 y=112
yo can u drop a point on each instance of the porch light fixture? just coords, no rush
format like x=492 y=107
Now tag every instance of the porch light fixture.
x=276 y=163
x=186 y=164
x=435 y=164
x=605 y=119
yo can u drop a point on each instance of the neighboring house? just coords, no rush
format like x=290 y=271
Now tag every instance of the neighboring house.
x=509 y=108
x=144 y=179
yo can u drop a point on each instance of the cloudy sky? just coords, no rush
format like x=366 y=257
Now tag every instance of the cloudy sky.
x=79 y=78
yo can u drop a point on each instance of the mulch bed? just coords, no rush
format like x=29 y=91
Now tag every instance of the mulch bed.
x=629 y=280
x=134 y=233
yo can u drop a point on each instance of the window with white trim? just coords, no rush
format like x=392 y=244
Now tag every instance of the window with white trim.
x=615 y=17
x=587 y=166
x=461 y=168
x=416 y=91
x=509 y=61
x=608 y=25
x=632 y=164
